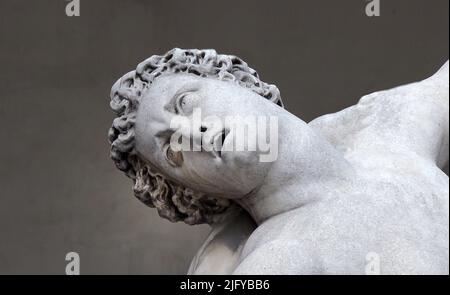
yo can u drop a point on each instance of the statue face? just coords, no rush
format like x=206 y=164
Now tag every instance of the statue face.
x=225 y=173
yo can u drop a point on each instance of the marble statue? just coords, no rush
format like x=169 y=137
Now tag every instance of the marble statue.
x=360 y=191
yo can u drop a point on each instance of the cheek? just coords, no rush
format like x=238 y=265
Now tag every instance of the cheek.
x=247 y=168
x=202 y=172
x=199 y=166
x=234 y=175
x=240 y=160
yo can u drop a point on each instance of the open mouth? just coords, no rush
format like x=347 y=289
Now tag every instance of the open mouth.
x=218 y=142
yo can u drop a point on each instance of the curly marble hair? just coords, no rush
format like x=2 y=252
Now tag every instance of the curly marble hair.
x=173 y=201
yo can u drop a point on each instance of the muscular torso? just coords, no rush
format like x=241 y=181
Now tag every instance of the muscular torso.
x=401 y=222
x=406 y=226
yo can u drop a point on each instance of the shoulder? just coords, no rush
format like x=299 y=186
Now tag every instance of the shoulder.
x=220 y=251
x=278 y=257
x=281 y=245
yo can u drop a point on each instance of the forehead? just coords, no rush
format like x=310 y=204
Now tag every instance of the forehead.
x=170 y=85
x=172 y=81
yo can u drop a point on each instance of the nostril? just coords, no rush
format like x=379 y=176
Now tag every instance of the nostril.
x=203 y=129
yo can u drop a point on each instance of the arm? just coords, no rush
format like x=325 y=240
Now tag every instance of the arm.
x=221 y=250
x=279 y=257
x=408 y=120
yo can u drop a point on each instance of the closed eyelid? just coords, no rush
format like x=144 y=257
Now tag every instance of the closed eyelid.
x=171 y=106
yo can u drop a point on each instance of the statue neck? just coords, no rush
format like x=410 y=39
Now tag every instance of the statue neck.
x=308 y=169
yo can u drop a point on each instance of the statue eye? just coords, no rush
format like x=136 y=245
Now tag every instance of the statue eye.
x=186 y=102
x=174 y=158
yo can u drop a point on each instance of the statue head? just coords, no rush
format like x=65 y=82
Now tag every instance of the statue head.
x=191 y=186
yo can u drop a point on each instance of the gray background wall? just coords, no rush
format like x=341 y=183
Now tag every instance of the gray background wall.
x=59 y=191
